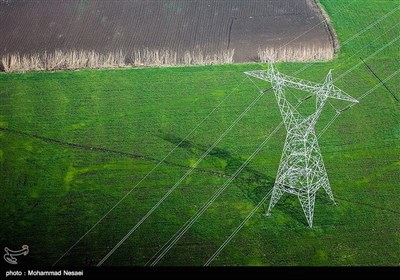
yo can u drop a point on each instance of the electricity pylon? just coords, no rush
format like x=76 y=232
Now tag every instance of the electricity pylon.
x=301 y=170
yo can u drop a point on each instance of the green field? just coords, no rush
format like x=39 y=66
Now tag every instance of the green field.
x=73 y=143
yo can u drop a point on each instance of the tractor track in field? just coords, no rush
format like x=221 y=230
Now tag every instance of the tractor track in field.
x=380 y=80
x=252 y=177
x=106 y=150
x=368 y=205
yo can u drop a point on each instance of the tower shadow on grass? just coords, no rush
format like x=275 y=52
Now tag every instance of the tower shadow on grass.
x=253 y=184
x=290 y=206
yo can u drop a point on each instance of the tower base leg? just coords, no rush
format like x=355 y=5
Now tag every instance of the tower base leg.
x=307 y=200
x=276 y=195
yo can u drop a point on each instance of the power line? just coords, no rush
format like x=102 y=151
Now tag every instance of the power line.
x=370 y=26
x=307 y=207
x=167 y=194
x=149 y=173
x=263 y=200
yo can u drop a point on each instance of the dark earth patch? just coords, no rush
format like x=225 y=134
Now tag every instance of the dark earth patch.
x=176 y=25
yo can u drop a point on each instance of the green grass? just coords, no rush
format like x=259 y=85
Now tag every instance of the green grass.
x=52 y=192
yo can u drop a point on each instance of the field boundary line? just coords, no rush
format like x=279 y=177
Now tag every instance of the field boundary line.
x=97 y=149
x=371 y=55
x=388 y=78
x=379 y=79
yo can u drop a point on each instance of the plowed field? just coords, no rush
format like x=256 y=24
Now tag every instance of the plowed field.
x=175 y=25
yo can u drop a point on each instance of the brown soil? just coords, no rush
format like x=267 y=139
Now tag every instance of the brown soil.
x=105 y=26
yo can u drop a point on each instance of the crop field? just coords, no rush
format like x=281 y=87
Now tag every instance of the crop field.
x=73 y=143
x=177 y=26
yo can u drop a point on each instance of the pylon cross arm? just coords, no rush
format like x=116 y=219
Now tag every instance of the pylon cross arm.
x=303 y=85
x=301 y=170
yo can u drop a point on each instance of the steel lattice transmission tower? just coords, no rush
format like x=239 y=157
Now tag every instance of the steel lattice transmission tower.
x=301 y=170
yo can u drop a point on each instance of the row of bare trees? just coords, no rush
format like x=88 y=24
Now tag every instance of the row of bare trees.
x=295 y=53
x=59 y=60
x=71 y=60
x=148 y=57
